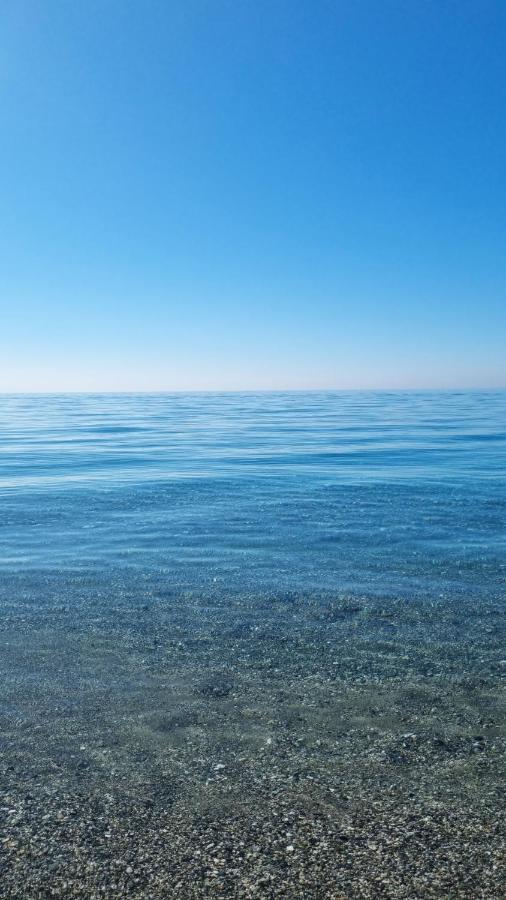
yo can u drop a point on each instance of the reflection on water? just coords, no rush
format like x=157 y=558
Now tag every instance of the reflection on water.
x=252 y=644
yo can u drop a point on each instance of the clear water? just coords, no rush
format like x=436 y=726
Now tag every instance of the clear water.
x=387 y=493
x=191 y=578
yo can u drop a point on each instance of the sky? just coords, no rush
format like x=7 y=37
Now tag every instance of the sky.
x=252 y=194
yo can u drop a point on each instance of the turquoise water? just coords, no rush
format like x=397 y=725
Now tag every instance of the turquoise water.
x=384 y=493
x=229 y=618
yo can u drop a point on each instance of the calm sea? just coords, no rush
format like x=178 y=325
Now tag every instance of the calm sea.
x=383 y=493
x=252 y=645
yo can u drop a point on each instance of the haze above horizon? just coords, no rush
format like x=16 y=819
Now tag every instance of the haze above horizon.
x=248 y=196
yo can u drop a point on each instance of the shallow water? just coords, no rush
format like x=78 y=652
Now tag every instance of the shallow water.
x=261 y=615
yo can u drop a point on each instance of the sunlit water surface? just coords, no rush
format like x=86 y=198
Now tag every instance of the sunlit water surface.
x=250 y=602
x=385 y=493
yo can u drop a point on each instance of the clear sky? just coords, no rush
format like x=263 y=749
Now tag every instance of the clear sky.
x=228 y=194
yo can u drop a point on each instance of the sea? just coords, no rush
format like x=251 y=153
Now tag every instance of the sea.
x=232 y=624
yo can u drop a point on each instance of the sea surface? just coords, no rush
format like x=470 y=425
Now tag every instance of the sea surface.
x=232 y=624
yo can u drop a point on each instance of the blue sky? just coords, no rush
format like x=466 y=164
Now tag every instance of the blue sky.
x=229 y=194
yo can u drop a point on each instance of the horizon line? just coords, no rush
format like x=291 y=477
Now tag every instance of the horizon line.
x=274 y=390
